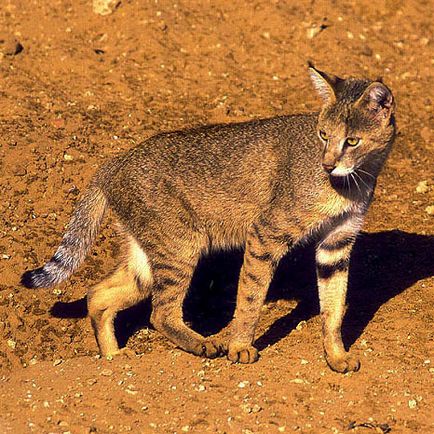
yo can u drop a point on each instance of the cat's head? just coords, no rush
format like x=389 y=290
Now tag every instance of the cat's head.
x=356 y=124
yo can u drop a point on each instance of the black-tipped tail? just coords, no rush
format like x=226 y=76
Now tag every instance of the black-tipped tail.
x=37 y=278
x=76 y=242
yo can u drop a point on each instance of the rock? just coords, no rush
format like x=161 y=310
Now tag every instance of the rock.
x=10 y=46
x=430 y=210
x=256 y=408
x=412 y=403
x=19 y=169
x=315 y=30
x=105 y=7
x=366 y=50
x=422 y=187
x=426 y=134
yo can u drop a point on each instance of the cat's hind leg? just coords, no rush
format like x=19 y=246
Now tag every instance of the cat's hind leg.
x=127 y=286
x=172 y=274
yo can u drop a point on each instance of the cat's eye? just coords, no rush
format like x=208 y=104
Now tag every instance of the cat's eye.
x=352 y=141
x=323 y=135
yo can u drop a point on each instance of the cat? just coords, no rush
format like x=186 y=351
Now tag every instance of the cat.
x=263 y=185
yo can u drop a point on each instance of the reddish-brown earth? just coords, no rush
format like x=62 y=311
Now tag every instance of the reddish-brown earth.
x=86 y=87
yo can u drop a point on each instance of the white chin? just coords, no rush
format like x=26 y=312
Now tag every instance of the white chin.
x=339 y=171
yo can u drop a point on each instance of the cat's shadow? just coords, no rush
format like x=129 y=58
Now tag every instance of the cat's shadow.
x=383 y=265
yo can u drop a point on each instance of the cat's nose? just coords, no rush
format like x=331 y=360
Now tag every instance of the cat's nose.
x=328 y=167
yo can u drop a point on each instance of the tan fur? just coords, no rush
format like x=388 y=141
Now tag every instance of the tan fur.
x=264 y=185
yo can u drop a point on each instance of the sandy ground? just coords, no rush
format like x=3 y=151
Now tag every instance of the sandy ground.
x=85 y=87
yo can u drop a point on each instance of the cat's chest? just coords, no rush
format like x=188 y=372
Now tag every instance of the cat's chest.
x=324 y=210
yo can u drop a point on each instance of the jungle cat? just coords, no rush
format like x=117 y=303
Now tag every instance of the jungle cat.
x=263 y=185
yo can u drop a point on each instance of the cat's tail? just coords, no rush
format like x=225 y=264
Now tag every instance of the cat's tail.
x=79 y=237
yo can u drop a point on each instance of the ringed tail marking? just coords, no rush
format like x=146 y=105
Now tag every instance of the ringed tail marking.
x=79 y=237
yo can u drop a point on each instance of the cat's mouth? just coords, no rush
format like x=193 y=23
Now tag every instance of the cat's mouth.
x=341 y=171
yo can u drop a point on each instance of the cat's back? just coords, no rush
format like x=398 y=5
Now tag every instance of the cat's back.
x=228 y=163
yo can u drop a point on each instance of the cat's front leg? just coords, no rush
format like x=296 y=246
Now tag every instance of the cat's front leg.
x=333 y=258
x=264 y=248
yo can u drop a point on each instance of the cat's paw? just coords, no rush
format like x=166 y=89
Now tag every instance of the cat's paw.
x=221 y=340
x=343 y=364
x=210 y=350
x=123 y=352
x=242 y=353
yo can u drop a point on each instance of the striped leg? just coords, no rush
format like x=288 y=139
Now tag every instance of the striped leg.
x=263 y=252
x=333 y=257
x=172 y=280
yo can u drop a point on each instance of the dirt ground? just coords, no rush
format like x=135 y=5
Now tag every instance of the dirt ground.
x=80 y=88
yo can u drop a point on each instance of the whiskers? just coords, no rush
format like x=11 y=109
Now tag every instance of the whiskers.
x=366 y=173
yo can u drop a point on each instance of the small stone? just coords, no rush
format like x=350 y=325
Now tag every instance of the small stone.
x=304 y=362
x=106 y=372
x=185 y=428
x=300 y=325
x=412 y=403
x=11 y=344
x=246 y=408
x=256 y=408
x=297 y=381
x=67 y=157
x=58 y=123
x=243 y=384
x=201 y=388
x=430 y=210
x=366 y=51
x=57 y=362
x=91 y=381
x=281 y=428
x=19 y=169
x=4 y=256
x=10 y=46
x=422 y=187
x=105 y=7
x=313 y=31
x=426 y=134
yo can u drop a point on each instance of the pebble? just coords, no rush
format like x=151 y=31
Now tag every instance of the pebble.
x=243 y=384
x=10 y=46
x=315 y=30
x=106 y=372
x=426 y=134
x=430 y=210
x=412 y=403
x=105 y=7
x=19 y=170
x=57 y=362
x=422 y=187
x=300 y=325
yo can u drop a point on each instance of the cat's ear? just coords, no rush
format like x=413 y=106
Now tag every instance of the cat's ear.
x=325 y=84
x=378 y=100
